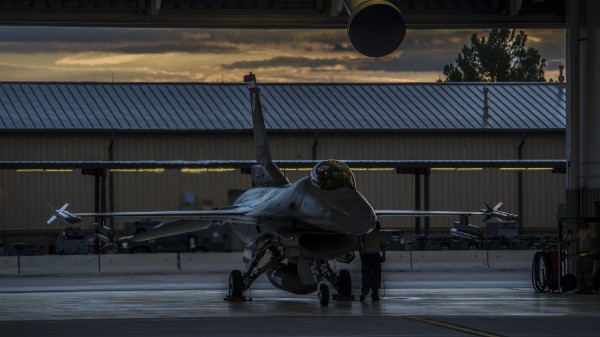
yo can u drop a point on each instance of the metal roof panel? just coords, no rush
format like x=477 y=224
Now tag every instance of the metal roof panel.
x=51 y=106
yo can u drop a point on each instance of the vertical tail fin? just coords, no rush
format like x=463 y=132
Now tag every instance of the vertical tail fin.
x=265 y=173
x=263 y=153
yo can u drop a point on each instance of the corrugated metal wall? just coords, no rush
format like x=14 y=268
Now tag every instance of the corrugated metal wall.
x=24 y=195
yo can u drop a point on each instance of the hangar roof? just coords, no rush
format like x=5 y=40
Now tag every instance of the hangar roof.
x=166 y=107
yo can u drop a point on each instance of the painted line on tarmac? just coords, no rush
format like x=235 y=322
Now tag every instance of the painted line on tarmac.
x=454 y=327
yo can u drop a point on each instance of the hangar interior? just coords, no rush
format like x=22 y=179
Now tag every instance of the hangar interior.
x=200 y=121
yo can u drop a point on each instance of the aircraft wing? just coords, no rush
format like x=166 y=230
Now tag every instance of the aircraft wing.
x=185 y=222
x=390 y=213
x=220 y=215
x=487 y=212
x=214 y=214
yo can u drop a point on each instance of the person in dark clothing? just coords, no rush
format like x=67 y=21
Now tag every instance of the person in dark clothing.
x=588 y=262
x=372 y=255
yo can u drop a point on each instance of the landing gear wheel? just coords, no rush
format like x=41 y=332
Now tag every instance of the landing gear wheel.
x=323 y=294
x=345 y=286
x=236 y=285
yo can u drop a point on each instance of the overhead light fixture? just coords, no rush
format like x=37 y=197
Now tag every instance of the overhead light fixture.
x=201 y=170
x=138 y=170
x=373 y=169
x=44 y=170
x=297 y=169
x=457 y=169
x=526 y=169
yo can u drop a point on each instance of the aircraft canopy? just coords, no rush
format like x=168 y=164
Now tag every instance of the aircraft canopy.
x=332 y=175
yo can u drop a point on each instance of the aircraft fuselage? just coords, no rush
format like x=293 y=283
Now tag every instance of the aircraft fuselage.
x=306 y=221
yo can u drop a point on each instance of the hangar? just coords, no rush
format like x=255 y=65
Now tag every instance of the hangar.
x=203 y=121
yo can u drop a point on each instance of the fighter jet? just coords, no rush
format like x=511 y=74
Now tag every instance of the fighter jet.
x=291 y=230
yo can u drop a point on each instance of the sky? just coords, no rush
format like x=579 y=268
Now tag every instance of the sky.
x=225 y=55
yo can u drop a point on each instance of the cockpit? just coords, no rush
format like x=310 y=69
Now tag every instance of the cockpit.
x=332 y=175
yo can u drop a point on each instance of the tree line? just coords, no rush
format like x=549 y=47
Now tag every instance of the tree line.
x=502 y=56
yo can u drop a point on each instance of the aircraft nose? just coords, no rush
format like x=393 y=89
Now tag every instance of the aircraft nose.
x=353 y=216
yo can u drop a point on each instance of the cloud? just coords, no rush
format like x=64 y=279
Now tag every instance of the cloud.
x=399 y=61
x=94 y=59
x=164 y=40
x=152 y=54
x=120 y=40
x=282 y=61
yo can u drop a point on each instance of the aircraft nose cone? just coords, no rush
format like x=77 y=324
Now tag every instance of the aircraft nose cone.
x=354 y=216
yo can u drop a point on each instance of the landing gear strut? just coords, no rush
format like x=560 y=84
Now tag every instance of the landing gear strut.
x=240 y=282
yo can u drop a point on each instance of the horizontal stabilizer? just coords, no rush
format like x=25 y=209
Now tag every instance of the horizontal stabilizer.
x=172 y=228
x=466 y=233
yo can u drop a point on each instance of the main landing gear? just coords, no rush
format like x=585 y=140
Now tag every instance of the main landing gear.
x=266 y=255
x=342 y=282
x=239 y=282
x=344 y=286
x=236 y=286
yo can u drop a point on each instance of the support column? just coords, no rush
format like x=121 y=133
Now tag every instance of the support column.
x=426 y=200
x=572 y=136
x=421 y=194
x=583 y=113
x=589 y=110
x=99 y=198
x=417 y=201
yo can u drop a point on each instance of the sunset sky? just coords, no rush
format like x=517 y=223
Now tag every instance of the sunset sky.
x=215 y=55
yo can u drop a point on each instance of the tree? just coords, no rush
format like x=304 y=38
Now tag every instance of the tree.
x=502 y=57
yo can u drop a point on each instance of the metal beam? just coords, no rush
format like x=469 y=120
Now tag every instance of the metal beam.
x=419 y=14
x=558 y=164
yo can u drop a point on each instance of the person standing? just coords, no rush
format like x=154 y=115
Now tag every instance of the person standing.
x=587 y=264
x=372 y=255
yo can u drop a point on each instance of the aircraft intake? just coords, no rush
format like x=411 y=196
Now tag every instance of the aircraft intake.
x=376 y=27
x=328 y=246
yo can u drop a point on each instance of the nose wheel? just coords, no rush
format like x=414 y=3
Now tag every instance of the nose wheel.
x=323 y=294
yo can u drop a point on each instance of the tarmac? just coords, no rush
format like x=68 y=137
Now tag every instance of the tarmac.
x=461 y=303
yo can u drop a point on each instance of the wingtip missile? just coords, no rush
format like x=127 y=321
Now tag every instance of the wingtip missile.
x=64 y=214
x=496 y=213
